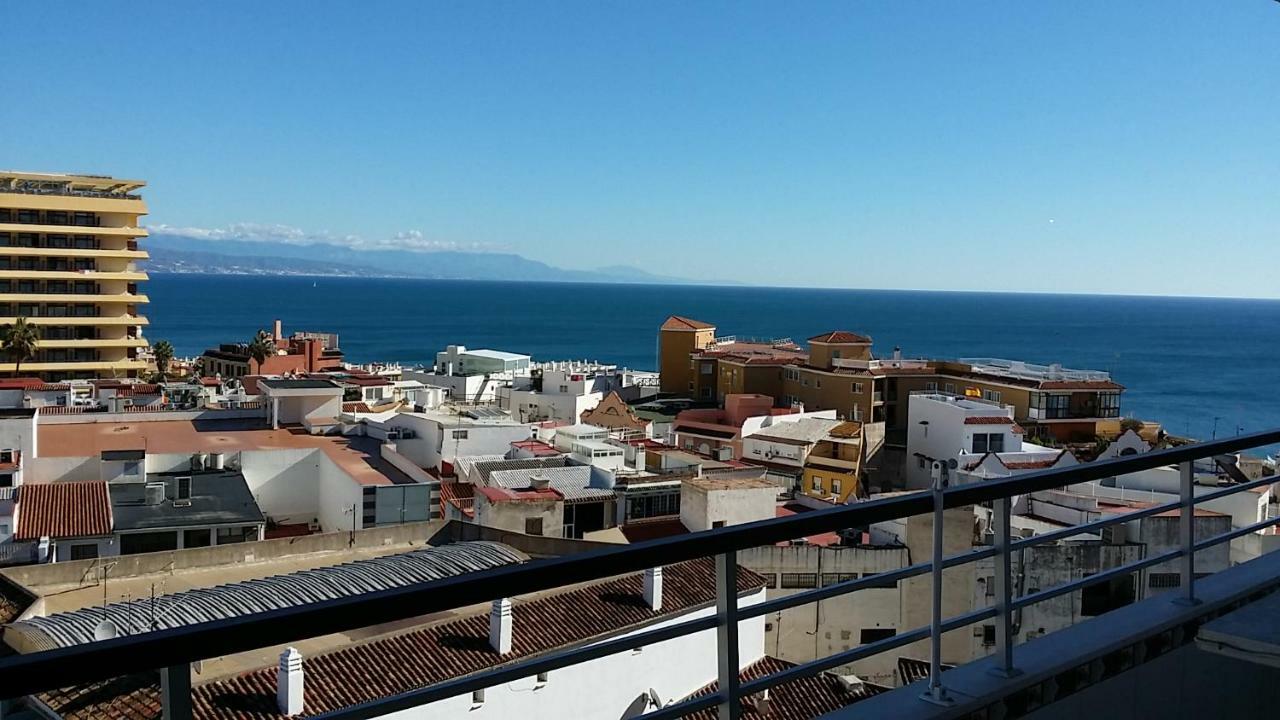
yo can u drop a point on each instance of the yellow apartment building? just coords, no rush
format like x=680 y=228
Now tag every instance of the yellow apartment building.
x=69 y=264
x=838 y=372
x=678 y=338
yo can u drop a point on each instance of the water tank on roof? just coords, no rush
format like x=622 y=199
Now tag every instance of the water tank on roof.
x=216 y=461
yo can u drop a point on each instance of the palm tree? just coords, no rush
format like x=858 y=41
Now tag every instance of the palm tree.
x=19 y=342
x=163 y=352
x=261 y=348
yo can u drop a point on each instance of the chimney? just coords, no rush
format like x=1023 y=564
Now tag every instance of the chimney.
x=277 y=330
x=653 y=588
x=538 y=481
x=500 y=626
x=897 y=354
x=289 y=682
x=764 y=704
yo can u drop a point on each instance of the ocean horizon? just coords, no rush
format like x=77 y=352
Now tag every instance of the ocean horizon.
x=1195 y=364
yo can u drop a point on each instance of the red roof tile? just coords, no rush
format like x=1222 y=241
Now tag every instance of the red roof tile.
x=676 y=322
x=988 y=420
x=19 y=383
x=799 y=699
x=841 y=337
x=63 y=510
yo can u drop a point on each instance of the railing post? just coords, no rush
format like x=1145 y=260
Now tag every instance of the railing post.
x=937 y=693
x=1003 y=589
x=727 y=634
x=175 y=692
x=1187 y=533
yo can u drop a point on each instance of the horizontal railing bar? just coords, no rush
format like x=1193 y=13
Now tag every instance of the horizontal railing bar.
x=1094 y=525
x=814 y=667
x=849 y=586
x=1233 y=489
x=27 y=674
x=1238 y=532
x=1084 y=582
x=523 y=669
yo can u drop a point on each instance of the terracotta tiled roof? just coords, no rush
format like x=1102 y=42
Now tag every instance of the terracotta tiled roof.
x=210 y=382
x=988 y=420
x=675 y=322
x=355 y=407
x=796 y=700
x=20 y=383
x=910 y=670
x=377 y=669
x=841 y=337
x=63 y=510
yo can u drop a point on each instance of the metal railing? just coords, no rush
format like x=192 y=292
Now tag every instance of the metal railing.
x=172 y=650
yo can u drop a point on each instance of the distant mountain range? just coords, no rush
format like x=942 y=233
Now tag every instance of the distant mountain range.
x=181 y=254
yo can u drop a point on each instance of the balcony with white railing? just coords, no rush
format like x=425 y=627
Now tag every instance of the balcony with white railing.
x=1093 y=663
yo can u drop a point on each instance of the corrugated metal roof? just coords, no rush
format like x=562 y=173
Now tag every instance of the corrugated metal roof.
x=279 y=591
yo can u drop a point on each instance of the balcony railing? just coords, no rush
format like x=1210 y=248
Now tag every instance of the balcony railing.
x=172 y=650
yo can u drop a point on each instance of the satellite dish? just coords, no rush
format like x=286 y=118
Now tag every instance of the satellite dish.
x=106 y=630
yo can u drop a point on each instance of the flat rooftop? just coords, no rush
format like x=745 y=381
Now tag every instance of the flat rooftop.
x=357 y=456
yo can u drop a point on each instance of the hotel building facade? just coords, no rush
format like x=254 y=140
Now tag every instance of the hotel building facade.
x=69 y=264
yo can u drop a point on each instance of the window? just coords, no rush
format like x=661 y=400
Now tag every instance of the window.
x=1057 y=406
x=920 y=461
x=817 y=383
x=1108 y=405
x=533 y=526
x=717 y=524
x=227 y=536
x=995 y=442
x=477 y=697
x=458 y=435
x=1164 y=580
x=931 y=387
x=1104 y=597
x=708 y=368
x=834 y=578
x=885 y=585
x=770 y=579
x=992 y=395
x=84 y=551
x=856 y=415
x=856 y=388
x=816 y=484
x=564 y=388
x=950 y=388
x=988 y=634
x=870 y=635
x=835 y=486
x=980 y=442
x=799 y=580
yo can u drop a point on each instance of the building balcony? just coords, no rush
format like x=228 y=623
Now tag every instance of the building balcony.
x=73 y=275
x=1164 y=655
x=101 y=366
x=71 y=252
x=72 y=229
x=122 y=319
x=46 y=297
x=56 y=344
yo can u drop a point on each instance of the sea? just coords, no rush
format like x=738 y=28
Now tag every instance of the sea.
x=1203 y=367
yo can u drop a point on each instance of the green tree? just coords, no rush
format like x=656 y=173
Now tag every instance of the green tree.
x=19 y=342
x=163 y=352
x=261 y=347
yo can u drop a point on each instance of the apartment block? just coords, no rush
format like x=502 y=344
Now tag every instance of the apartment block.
x=69 y=264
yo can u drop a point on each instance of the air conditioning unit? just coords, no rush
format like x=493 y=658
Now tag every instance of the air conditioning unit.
x=153 y=493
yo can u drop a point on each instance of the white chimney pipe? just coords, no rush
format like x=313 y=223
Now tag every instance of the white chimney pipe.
x=653 y=588
x=500 y=626
x=289 y=682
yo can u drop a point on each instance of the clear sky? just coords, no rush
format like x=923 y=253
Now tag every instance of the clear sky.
x=1129 y=147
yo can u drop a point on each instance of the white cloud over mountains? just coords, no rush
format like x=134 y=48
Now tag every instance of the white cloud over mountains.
x=413 y=240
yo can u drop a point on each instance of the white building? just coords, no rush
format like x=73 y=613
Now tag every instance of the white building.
x=979 y=437
x=787 y=440
x=435 y=438
x=712 y=502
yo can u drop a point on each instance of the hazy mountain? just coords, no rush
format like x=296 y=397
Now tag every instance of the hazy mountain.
x=182 y=254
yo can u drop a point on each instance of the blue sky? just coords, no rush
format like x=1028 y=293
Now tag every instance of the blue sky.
x=1129 y=147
